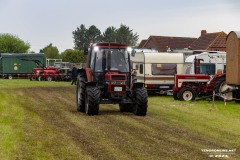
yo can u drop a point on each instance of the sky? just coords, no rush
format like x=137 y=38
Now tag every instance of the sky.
x=41 y=22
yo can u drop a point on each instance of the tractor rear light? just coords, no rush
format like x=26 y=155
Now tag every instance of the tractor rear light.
x=150 y=86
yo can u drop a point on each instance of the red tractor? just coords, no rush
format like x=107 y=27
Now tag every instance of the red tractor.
x=107 y=79
x=41 y=72
x=48 y=74
x=188 y=86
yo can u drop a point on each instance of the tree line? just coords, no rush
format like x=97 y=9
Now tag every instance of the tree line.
x=82 y=37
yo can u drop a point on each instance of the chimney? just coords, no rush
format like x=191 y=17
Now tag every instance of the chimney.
x=203 y=32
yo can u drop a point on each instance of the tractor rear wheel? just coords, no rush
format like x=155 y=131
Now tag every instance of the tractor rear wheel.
x=80 y=93
x=221 y=86
x=92 y=97
x=141 y=101
x=187 y=94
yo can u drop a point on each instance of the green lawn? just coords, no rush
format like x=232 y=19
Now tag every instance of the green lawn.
x=39 y=121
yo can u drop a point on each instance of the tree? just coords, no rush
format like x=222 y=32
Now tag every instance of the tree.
x=50 y=51
x=73 y=56
x=12 y=44
x=93 y=34
x=125 y=35
x=80 y=37
x=109 y=35
x=83 y=37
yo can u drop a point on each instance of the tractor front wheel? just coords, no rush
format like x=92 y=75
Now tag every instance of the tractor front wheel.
x=187 y=94
x=141 y=101
x=92 y=98
x=80 y=93
x=49 y=78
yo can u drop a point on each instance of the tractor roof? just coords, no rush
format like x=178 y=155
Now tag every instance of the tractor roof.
x=110 y=45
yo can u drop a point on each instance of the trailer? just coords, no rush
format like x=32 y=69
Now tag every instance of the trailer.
x=157 y=70
x=13 y=65
x=209 y=63
x=233 y=63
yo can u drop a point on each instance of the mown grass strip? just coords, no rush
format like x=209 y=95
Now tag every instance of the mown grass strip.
x=40 y=122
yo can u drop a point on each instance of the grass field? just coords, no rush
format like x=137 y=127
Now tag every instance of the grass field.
x=39 y=121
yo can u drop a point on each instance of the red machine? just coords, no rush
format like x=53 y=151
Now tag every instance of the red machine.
x=48 y=74
x=107 y=79
x=188 y=86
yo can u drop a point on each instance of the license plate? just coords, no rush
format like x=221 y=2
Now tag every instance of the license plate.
x=117 y=89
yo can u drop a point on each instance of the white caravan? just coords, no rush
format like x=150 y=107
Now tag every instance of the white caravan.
x=210 y=63
x=157 y=70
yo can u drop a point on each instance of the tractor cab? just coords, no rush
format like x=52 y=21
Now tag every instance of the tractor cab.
x=109 y=65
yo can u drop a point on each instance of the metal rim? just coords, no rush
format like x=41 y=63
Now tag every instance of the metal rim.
x=187 y=95
x=223 y=87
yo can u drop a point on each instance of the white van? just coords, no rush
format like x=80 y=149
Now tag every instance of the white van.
x=157 y=70
x=210 y=63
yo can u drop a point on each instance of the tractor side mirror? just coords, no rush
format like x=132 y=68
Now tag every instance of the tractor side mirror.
x=133 y=53
x=86 y=51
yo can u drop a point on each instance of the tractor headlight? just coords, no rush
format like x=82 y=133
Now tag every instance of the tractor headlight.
x=129 y=49
x=117 y=82
x=96 y=48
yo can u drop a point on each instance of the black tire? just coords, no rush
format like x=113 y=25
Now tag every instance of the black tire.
x=49 y=78
x=92 y=97
x=125 y=107
x=39 y=78
x=175 y=96
x=31 y=78
x=187 y=94
x=236 y=95
x=10 y=77
x=80 y=93
x=141 y=101
x=222 y=86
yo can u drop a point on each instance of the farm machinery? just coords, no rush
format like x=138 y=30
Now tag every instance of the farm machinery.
x=49 y=73
x=189 y=86
x=107 y=79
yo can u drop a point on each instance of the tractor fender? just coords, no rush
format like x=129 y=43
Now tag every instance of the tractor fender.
x=137 y=85
x=81 y=71
x=93 y=84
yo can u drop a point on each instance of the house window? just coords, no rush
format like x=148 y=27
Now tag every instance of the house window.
x=164 y=69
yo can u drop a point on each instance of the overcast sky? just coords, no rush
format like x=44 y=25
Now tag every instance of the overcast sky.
x=41 y=22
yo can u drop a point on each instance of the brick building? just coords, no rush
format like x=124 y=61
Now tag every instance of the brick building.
x=210 y=41
x=206 y=41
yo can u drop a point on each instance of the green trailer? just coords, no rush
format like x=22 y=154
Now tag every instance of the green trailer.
x=13 y=64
